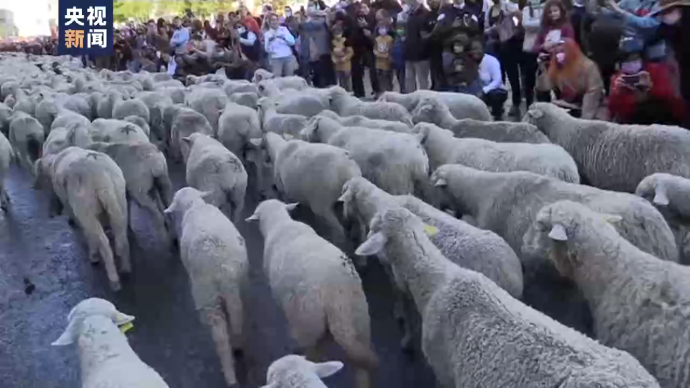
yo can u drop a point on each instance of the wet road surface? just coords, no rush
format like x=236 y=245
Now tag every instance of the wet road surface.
x=167 y=332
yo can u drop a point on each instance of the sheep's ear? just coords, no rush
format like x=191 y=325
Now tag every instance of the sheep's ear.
x=291 y=206
x=346 y=196
x=255 y=142
x=272 y=385
x=69 y=336
x=660 y=198
x=423 y=132
x=374 y=244
x=187 y=140
x=123 y=319
x=612 y=219
x=535 y=113
x=170 y=209
x=287 y=136
x=441 y=182
x=252 y=218
x=325 y=369
x=207 y=196
x=558 y=233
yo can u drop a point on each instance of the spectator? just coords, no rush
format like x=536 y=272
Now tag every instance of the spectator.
x=398 y=56
x=438 y=79
x=315 y=52
x=641 y=92
x=639 y=23
x=459 y=17
x=531 y=23
x=418 y=30
x=180 y=37
x=461 y=68
x=555 y=26
x=278 y=44
x=249 y=43
x=248 y=20
x=502 y=21
x=576 y=81
x=491 y=90
x=342 y=58
x=362 y=39
x=382 y=52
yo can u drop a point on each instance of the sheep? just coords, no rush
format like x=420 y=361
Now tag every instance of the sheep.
x=361 y=121
x=472 y=330
x=89 y=184
x=216 y=171
x=346 y=105
x=311 y=174
x=186 y=121
x=317 y=287
x=146 y=177
x=545 y=159
x=10 y=101
x=293 y=371
x=671 y=195
x=67 y=118
x=156 y=102
x=117 y=131
x=6 y=156
x=262 y=74
x=208 y=102
x=134 y=107
x=248 y=99
x=106 y=104
x=639 y=304
x=434 y=112
x=272 y=121
x=282 y=83
x=395 y=162
x=505 y=203
x=98 y=329
x=236 y=126
x=177 y=94
x=141 y=123
x=461 y=243
x=304 y=104
x=612 y=156
x=230 y=87
x=27 y=138
x=5 y=114
x=63 y=137
x=460 y=106
x=215 y=257
x=76 y=103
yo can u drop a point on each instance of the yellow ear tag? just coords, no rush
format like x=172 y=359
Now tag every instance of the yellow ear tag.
x=430 y=230
x=126 y=327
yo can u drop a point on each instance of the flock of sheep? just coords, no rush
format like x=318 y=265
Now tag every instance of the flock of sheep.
x=473 y=221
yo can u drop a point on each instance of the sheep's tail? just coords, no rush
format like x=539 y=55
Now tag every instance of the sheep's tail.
x=655 y=236
x=233 y=185
x=348 y=321
x=34 y=148
x=113 y=200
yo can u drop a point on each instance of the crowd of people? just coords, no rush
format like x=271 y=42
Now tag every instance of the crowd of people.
x=626 y=61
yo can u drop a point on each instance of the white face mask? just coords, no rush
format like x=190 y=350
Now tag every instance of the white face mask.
x=672 y=17
x=288 y=14
x=240 y=30
x=560 y=58
x=312 y=8
x=383 y=31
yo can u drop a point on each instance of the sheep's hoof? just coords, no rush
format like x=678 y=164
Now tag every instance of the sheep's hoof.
x=71 y=222
x=115 y=286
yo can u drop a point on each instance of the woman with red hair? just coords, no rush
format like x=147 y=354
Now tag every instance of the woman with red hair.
x=575 y=80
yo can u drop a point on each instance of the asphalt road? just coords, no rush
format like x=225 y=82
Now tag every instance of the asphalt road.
x=167 y=334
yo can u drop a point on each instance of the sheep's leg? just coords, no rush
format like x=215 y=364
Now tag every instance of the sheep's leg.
x=98 y=243
x=236 y=199
x=407 y=321
x=356 y=342
x=235 y=311
x=4 y=197
x=149 y=204
x=120 y=228
x=335 y=229
x=217 y=322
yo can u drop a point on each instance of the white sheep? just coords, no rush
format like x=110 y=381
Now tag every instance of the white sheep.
x=6 y=156
x=506 y=203
x=613 y=156
x=434 y=112
x=5 y=114
x=89 y=184
x=60 y=138
x=213 y=169
x=215 y=257
x=262 y=74
x=107 y=360
x=236 y=126
x=361 y=121
x=141 y=123
x=230 y=87
x=208 y=102
x=293 y=371
x=300 y=103
x=146 y=176
x=671 y=195
x=395 y=162
x=463 y=244
x=347 y=105
x=134 y=107
x=117 y=131
x=639 y=304
x=282 y=83
x=473 y=331
x=546 y=159
x=460 y=105
x=27 y=138
x=272 y=121
x=105 y=105
x=185 y=122
x=317 y=287
x=248 y=99
x=311 y=174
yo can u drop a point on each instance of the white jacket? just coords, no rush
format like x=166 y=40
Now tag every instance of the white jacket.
x=532 y=25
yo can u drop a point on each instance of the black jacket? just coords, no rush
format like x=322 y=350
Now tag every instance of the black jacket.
x=417 y=47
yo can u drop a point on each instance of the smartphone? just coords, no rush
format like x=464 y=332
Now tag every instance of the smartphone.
x=515 y=20
x=632 y=79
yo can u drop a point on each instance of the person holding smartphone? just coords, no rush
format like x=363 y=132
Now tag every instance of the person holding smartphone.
x=642 y=91
x=278 y=42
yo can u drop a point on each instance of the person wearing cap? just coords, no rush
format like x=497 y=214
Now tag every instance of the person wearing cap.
x=675 y=29
x=642 y=91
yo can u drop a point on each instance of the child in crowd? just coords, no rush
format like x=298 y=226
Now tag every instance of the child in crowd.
x=382 y=51
x=398 y=56
x=342 y=58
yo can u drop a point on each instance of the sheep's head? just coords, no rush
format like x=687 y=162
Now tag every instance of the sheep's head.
x=310 y=132
x=388 y=223
x=422 y=131
x=543 y=115
x=296 y=370
x=87 y=309
x=261 y=74
x=653 y=188
x=270 y=207
x=555 y=226
x=350 y=190
x=439 y=178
